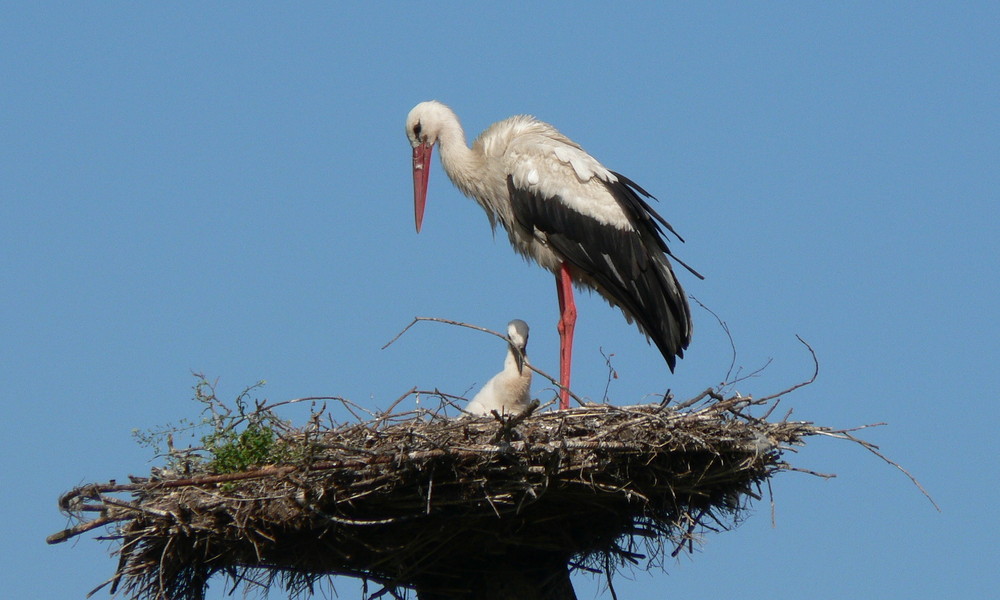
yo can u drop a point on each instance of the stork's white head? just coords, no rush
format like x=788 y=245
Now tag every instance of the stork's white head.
x=424 y=125
x=425 y=122
x=517 y=335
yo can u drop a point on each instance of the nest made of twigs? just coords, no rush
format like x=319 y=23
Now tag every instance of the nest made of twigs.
x=422 y=500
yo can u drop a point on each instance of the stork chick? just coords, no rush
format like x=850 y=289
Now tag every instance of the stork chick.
x=509 y=391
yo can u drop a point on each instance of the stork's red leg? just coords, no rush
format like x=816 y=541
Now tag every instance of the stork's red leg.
x=567 y=323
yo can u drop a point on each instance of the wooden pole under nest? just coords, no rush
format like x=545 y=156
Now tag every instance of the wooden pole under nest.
x=525 y=576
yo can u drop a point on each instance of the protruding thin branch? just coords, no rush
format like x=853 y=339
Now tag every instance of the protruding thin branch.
x=800 y=384
x=844 y=435
x=484 y=330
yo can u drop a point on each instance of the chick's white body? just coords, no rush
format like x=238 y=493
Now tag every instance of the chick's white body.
x=509 y=391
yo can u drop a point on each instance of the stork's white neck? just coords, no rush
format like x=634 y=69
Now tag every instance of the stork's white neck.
x=459 y=161
x=472 y=172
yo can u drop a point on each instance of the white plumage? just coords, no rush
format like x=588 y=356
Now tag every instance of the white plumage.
x=565 y=210
x=509 y=391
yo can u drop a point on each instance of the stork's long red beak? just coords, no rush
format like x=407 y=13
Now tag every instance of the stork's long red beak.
x=421 y=172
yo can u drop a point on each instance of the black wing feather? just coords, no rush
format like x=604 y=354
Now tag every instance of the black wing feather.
x=628 y=267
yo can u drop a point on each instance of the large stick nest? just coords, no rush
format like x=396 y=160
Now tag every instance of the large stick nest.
x=417 y=497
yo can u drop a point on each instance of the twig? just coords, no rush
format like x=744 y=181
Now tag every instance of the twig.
x=271 y=407
x=843 y=434
x=808 y=472
x=484 y=330
x=608 y=570
x=725 y=328
x=507 y=425
x=797 y=385
x=556 y=383
x=76 y=530
x=709 y=392
x=439 y=320
x=388 y=411
x=612 y=373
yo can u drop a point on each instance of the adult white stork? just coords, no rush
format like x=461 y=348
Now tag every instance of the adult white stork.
x=509 y=391
x=565 y=210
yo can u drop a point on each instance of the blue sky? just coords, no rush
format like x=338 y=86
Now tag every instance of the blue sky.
x=226 y=188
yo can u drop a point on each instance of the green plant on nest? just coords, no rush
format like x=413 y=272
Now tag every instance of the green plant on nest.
x=234 y=451
x=238 y=437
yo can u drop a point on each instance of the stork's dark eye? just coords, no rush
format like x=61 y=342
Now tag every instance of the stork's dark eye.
x=416 y=130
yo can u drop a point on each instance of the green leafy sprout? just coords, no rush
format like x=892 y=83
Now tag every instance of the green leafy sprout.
x=232 y=439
